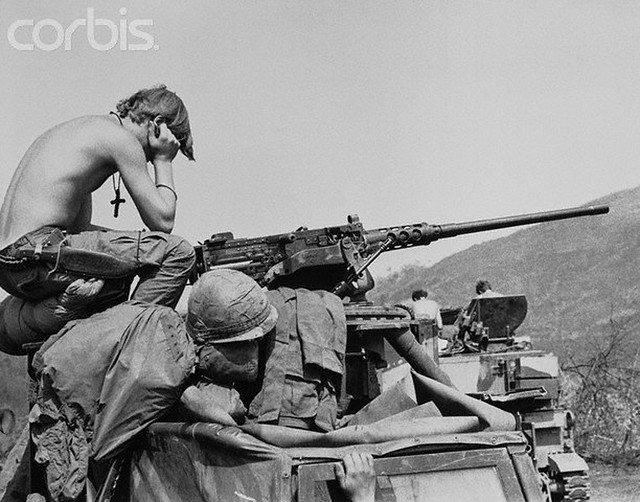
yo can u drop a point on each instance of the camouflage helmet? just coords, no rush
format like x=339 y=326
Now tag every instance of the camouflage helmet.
x=228 y=306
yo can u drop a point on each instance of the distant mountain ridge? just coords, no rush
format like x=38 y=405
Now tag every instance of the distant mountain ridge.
x=577 y=274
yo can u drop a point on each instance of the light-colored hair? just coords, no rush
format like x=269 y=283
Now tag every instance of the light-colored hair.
x=147 y=104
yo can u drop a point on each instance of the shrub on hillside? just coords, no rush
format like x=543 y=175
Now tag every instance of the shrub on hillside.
x=603 y=389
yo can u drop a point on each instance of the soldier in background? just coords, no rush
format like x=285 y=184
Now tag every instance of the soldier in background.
x=484 y=290
x=423 y=308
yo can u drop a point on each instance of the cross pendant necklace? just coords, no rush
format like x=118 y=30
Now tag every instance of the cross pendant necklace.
x=116 y=188
x=117 y=200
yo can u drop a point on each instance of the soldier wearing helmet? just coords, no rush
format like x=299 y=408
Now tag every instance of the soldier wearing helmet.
x=254 y=345
x=228 y=314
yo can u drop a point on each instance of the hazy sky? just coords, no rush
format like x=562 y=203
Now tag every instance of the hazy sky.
x=306 y=111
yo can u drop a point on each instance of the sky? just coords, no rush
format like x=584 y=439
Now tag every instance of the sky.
x=304 y=112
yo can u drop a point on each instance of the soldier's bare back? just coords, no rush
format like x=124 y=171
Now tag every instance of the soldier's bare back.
x=54 y=180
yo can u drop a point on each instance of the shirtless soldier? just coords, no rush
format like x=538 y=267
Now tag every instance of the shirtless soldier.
x=47 y=240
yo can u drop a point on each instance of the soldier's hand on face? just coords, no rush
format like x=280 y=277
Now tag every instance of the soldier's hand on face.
x=165 y=146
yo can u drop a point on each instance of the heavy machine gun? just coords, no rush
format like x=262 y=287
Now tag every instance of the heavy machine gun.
x=337 y=258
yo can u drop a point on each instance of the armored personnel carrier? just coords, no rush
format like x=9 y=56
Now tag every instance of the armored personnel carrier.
x=488 y=360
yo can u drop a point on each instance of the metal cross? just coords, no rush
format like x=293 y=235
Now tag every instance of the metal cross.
x=116 y=202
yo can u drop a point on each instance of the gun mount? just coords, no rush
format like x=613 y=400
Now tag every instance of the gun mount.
x=336 y=258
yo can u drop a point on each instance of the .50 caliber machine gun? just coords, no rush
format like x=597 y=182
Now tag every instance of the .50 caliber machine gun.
x=337 y=258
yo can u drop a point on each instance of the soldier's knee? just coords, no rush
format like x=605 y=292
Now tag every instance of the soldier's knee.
x=182 y=251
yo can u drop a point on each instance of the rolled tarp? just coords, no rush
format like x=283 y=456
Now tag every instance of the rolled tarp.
x=362 y=434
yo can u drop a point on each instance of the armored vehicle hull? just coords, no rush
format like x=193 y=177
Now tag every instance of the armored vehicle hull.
x=429 y=442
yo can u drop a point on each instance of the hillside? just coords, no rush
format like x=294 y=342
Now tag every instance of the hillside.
x=577 y=274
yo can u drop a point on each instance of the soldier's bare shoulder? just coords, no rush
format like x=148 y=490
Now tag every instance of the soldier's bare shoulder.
x=102 y=127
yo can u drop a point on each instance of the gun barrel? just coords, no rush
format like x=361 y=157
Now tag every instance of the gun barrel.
x=453 y=229
x=421 y=234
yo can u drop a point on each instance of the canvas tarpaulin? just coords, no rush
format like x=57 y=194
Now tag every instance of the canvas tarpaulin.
x=204 y=462
x=102 y=381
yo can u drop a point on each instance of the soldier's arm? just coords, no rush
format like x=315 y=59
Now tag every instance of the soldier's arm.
x=156 y=204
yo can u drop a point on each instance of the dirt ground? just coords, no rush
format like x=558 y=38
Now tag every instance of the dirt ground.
x=614 y=485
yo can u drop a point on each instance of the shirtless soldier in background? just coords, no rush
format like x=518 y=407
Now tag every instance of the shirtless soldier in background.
x=47 y=240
